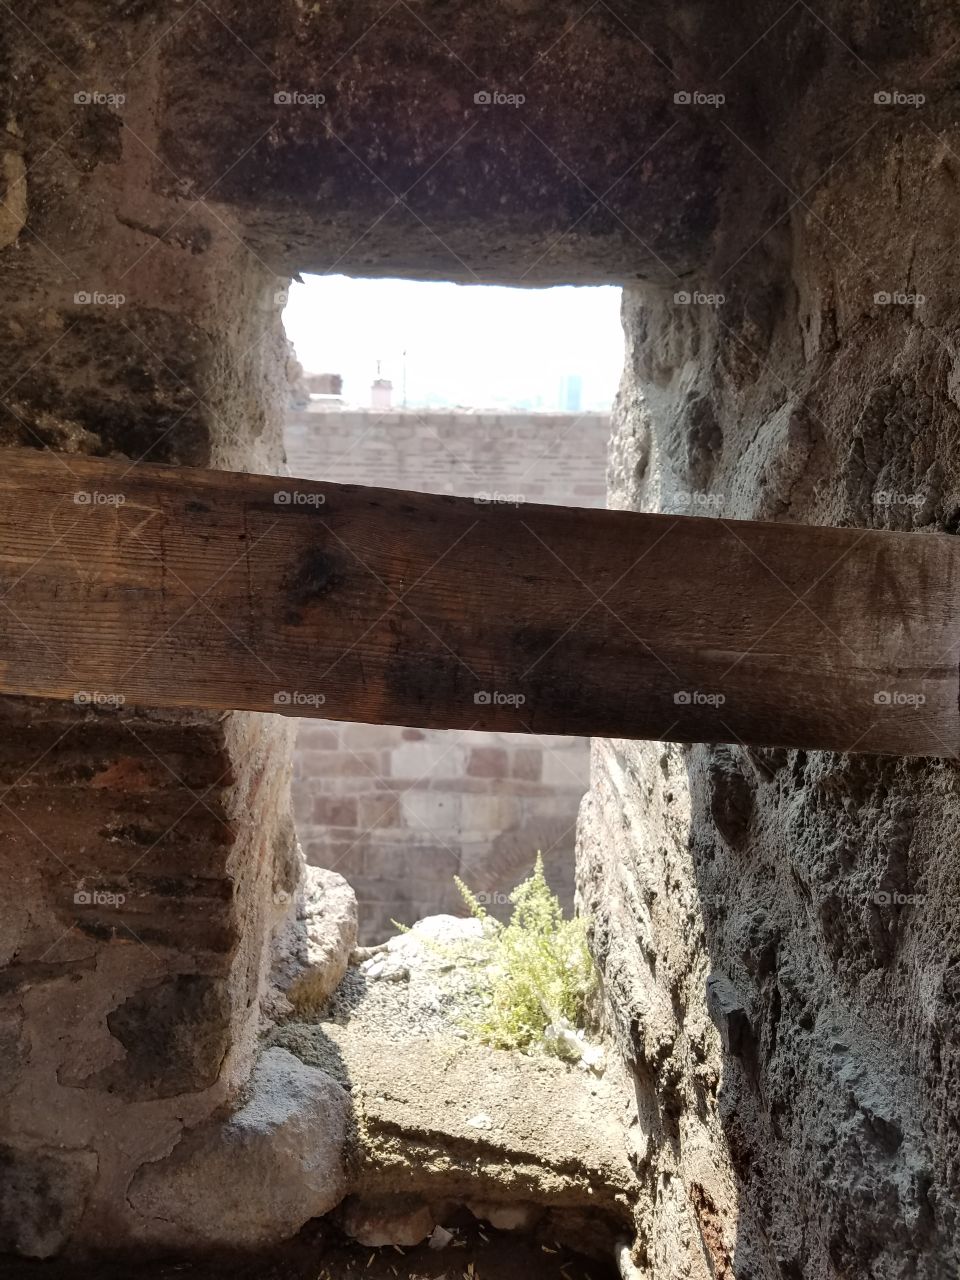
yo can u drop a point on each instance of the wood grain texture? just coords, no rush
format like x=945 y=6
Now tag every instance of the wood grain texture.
x=184 y=588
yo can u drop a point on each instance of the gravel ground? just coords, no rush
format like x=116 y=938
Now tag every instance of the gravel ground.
x=419 y=984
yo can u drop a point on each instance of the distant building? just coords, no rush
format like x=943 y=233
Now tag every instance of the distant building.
x=324 y=384
x=324 y=391
x=571 y=393
x=381 y=393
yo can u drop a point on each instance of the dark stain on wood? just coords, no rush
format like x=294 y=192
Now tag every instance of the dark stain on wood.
x=318 y=573
x=428 y=679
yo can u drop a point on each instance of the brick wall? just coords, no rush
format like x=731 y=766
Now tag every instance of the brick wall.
x=539 y=457
x=399 y=811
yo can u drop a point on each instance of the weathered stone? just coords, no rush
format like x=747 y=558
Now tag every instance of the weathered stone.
x=386 y=170
x=13 y=188
x=731 y=794
x=728 y=1013
x=403 y=1221
x=317 y=947
x=137 y=848
x=819 y=885
x=175 y=1036
x=255 y=1177
x=505 y=1217
x=42 y=1196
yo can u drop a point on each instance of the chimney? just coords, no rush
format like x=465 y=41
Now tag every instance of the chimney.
x=381 y=393
x=324 y=384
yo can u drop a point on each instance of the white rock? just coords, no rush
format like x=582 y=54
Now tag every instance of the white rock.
x=256 y=1177
x=504 y=1217
x=312 y=949
x=327 y=929
x=440 y=1237
x=437 y=930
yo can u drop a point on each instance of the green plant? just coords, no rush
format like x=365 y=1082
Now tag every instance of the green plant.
x=540 y=973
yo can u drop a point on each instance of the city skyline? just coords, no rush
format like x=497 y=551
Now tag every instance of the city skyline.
x=474 y=346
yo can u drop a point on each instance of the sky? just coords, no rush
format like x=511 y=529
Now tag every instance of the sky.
x=479 y=346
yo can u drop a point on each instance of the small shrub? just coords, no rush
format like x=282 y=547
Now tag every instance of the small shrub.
x=540 y=973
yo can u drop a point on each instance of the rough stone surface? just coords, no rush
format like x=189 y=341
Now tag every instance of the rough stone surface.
x=313 y=953
x=257 y=1177
x=138 y=849
x=137 y=853
x=806 y=1129
x=401 y=1222
x=400 y=170
x=42 y=1196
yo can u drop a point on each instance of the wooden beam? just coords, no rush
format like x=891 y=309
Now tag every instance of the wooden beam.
x=181 y=588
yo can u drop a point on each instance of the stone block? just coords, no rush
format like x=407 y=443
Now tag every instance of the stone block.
x=440 y=758
x=253 y=1179
x=313 y=954
x=434 y=811
x=379 y=810
x=488 y=762
x=43 y=1193
x=567 y=767
x=334 y=811
x=526 y=763
x=488 y=814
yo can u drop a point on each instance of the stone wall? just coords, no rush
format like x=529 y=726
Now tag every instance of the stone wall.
x=400 y=812
x=779 y=930
x=525 y=457
x=141 y=852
